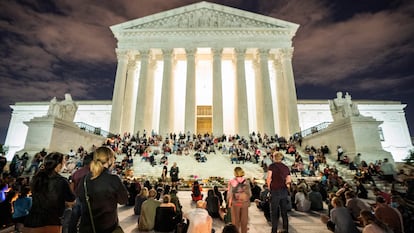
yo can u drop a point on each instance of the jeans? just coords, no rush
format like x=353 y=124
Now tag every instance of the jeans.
x=75 y=216
x=278 y=206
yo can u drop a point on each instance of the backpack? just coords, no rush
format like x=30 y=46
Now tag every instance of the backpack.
x=239 y=192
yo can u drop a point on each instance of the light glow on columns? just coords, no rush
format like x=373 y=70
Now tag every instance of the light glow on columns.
x=157 y=95
x=251 y=95
x=204 y=83
x=228 y=82
x=180 y=83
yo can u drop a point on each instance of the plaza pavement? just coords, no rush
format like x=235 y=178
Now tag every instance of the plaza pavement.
x=298 y=222
x=219 y=165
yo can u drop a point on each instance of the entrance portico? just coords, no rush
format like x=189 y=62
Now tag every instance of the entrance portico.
x=176 y=65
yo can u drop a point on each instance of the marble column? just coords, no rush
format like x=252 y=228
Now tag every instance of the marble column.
x=128 y=115
x=292 y=103
x=190 y=94
x=166 y=110
x=242 y=114
x=217 y=93
x=258 y=96
x=118 y=95
x=149 y=98
x=281 y=99
x=142 y=88
x=268 y=120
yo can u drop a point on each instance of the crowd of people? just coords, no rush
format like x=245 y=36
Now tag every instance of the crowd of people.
x=83 y=204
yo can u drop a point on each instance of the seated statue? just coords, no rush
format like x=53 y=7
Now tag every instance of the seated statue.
x=64 y=110
x=343 y=107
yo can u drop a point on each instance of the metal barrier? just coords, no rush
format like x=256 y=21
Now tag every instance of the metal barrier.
x=315 y=129
x=92 y=129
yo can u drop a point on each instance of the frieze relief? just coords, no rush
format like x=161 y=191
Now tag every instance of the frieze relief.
x=205 y=18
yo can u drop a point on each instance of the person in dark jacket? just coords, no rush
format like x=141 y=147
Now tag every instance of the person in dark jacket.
x=50 y=193
x=213 y=204
x=105 y=192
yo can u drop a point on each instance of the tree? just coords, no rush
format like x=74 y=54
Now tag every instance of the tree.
x=410 y=158
x=3 y=149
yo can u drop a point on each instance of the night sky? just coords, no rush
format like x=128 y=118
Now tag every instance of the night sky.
x=48 y=48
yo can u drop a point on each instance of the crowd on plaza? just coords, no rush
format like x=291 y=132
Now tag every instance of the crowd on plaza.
x=83 y=204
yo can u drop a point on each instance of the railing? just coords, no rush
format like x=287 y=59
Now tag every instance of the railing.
x=315 y=129
x=92 y=129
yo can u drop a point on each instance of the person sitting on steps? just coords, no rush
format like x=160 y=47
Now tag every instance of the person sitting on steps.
x=196 y=192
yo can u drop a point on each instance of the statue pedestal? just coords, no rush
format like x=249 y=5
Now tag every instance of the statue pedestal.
x=356 y=134
x=55 y=134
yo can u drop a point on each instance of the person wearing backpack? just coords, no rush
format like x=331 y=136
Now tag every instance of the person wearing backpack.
x=238 y=199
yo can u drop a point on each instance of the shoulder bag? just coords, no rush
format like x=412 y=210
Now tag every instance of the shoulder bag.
x=118 y=228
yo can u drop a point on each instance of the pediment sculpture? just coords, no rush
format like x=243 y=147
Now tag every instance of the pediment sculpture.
x=205 y=18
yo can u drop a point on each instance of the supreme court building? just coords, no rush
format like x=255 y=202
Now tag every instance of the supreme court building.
x=209 y=68
x=205 y=68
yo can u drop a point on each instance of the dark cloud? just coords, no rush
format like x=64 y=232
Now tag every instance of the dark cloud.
x=52 y=47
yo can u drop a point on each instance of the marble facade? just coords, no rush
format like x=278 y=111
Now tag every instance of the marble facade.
x=215 y=34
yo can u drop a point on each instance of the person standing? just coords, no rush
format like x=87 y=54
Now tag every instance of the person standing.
x=278 y=181
x=164 y=172
x=104 y=190
x=174 y=175
x=340 y=152
x=238 y=199
x=50 y=191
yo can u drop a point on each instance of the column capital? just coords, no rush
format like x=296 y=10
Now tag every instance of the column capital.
x=190 y=51
x=240 y=51
x=167 y=53
x=132 y=63
x=217 y=51
x=263 y=53
x=285 y=53
x=144 y=54
x=122 y=55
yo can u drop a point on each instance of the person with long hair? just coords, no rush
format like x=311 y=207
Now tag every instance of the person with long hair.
x=50 y=193
x=372 y=224
x=239 y=199
x=104 y=190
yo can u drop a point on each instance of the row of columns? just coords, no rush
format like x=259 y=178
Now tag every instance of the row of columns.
x=129 y=114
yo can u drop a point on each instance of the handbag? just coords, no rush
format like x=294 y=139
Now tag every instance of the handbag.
x=182 y=226
x=118 y=228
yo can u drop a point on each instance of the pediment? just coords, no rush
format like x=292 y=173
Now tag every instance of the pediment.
x=204 y=15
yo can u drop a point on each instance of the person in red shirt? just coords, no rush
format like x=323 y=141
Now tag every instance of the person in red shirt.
x=278 y=181
x=386 y=196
